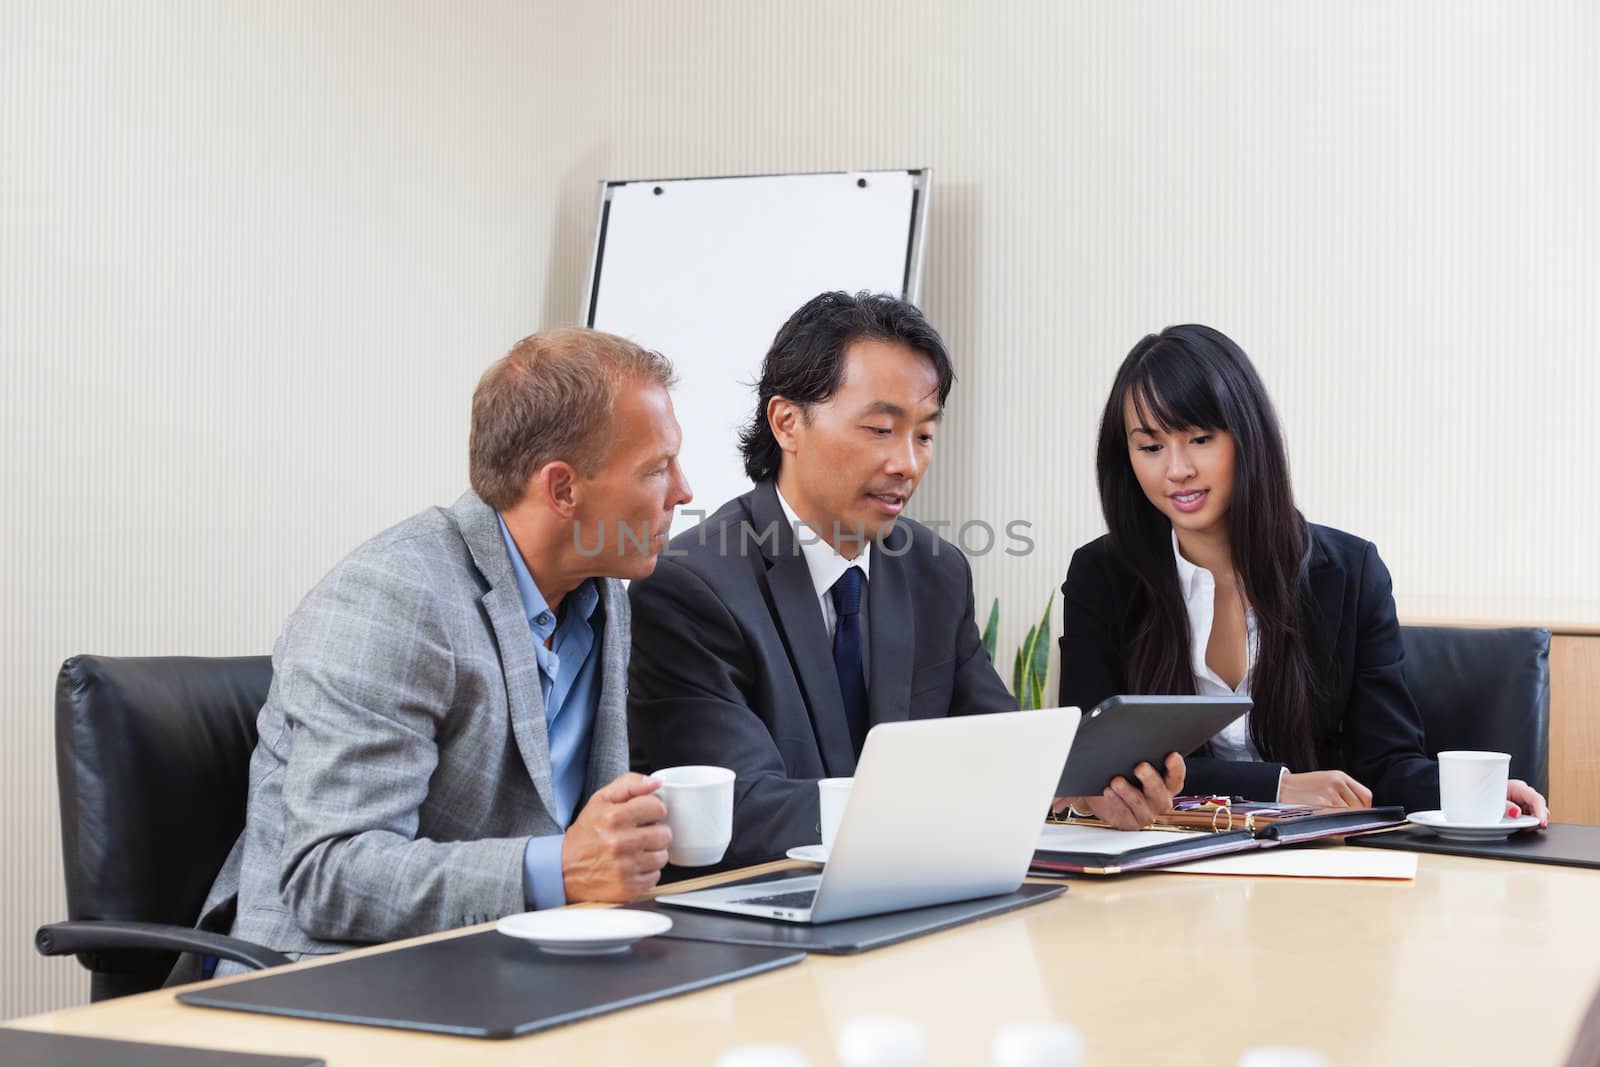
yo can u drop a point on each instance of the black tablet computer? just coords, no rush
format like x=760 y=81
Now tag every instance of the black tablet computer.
x=1125 y=731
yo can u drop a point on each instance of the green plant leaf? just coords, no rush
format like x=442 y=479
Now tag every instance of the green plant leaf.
x=1030 y=654
x=1039 y=662
x=991 y=630
x=1019 y=670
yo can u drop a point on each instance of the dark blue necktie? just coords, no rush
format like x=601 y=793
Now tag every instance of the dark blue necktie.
x=847 y=655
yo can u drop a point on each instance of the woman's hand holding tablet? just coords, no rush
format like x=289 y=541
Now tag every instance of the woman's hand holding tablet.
x=1130 y=807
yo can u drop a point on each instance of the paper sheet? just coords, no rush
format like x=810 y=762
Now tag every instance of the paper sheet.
x=1292 y=862
x=1060 y=838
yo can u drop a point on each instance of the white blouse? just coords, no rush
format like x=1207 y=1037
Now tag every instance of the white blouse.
x=1199 y=590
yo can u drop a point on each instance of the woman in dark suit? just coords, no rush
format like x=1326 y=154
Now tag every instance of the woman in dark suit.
x=1211 y=582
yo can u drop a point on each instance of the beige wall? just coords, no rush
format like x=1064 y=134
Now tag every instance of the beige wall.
x=253 y=256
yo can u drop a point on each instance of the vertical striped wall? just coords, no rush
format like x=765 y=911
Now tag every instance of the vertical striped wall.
x=1390 y=206
x=253 y=257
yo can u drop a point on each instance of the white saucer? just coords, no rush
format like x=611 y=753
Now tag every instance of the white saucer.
x=808 y=854
x=1482 y=831
x=584 y=932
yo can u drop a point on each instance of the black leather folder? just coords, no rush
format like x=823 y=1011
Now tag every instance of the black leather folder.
x=488 y=984
x=1563 y=844
x=30 y=1048
x=1182 y=848
x=847 y=936
x=1221 y=831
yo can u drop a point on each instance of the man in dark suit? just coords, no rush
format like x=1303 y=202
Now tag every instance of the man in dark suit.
x=775 y=633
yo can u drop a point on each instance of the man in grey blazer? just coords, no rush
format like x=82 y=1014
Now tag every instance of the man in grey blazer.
x=445 y=739
x=777 y=632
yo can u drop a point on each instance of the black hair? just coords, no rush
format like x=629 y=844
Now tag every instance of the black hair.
x=1194 y=377
x=806 y=360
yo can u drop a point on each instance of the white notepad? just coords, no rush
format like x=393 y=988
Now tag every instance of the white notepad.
x=1308 y=863
x=1058 y=837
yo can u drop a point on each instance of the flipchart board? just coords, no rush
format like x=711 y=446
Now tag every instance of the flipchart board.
x=705 y=271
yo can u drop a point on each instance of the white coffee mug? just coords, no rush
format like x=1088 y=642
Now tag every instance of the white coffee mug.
x=882 y=1040
x=1281 y=1056
x=1472 y=786
x=1036 y=1045
x=763 y=1055
x=699 y=804
x=832 y=794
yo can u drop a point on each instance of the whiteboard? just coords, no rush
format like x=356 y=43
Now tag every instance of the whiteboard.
x=705 y=271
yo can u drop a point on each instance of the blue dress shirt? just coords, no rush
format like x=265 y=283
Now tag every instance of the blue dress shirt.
x=569 y=677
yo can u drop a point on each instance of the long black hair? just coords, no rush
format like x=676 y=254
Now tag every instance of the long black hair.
x=1194 y=377
x=806 y=361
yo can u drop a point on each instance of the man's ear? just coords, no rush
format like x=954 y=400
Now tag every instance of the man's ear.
x=785 y=417
x=556 y=484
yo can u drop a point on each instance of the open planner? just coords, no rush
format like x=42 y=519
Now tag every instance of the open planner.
x=1196 y=828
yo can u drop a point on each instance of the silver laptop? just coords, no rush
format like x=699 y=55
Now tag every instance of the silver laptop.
x=941 y=810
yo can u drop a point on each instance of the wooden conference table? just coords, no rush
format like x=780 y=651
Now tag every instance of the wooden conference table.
x=1477 y=961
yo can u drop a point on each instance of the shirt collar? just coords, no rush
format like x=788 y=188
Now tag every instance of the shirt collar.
x=822 y=559
x=540 y=618
x=1191 y=579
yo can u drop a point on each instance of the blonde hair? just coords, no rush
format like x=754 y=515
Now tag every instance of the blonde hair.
x=552 y=397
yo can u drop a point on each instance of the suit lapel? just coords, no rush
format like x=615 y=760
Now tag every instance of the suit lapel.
x=1323 y=617
x=1327 y=595
x=890 y=626
x=480 y=529
x=799 y=615
x=608 y=741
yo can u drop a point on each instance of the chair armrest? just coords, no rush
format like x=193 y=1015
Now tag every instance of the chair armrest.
x=101 y=935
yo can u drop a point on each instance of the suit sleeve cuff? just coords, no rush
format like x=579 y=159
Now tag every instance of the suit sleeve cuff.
x=1250 y=779
x=542 y=886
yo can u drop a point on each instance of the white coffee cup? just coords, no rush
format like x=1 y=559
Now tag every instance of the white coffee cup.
x=832 y=794
x=1472 y=786
x=699 y=804
x=1036 y=1045
x=759 y=1055
x=882 y=1040
x=1281 y=1056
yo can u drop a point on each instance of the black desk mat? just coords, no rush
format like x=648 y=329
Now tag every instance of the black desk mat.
x=31 y=1048
x=847 y=936
x=489 y=985
x=1561 y=843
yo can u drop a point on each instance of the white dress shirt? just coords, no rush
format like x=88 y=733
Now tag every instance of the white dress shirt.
x=826 y=567
x=1199 y=590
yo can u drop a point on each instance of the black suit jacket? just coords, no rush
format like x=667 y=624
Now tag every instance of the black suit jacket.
x=1366 y=722
x=732 y=664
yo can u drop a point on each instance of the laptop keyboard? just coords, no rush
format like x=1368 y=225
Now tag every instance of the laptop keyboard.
x=800 y=898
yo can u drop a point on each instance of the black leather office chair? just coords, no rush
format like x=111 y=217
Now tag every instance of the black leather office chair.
x=152 y=760
x=1484 y=689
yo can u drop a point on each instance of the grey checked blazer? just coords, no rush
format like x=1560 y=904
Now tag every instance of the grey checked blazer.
x=403 y=761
